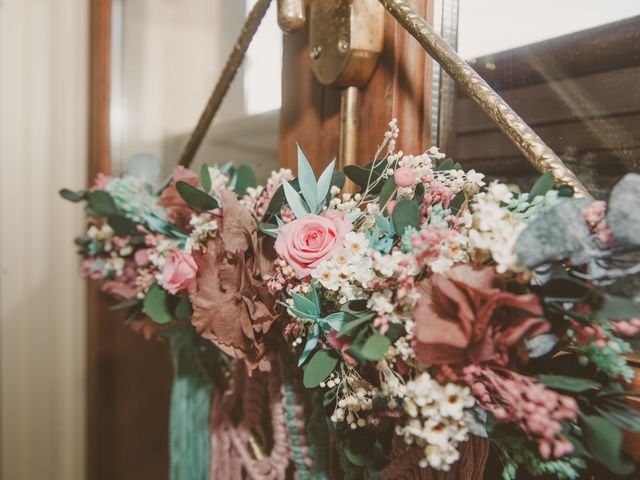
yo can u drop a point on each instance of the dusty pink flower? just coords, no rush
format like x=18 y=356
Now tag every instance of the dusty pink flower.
x=465 y=315
x=594 y=212
x=141 y=257
x=404 y=177
x=179 y=269
x=306 y=241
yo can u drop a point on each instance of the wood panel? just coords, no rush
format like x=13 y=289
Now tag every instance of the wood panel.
x=128 y=378
x=399 y=88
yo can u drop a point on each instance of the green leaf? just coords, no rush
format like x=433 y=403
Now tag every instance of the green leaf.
x=155 y=305
x=542 y=185
x=325 y=181
x=337 y=319
x=307 y=179
x=183 y=309
x=604 y=441
x=126 y=304
x=616 y=410
x=418 y=193
x=244 y=178
x=102 y=203
x=72 y=196
x=568 y=384
x=296 y=203
x=196 y=198
x=375 y=347
x=304 y=304
x=319 y=368
x=268 y=229
x=312 y=341
x=456 y=204
x=351 y=326
x=387 y=190
x=566 y=191
x=405 y=214
x=205 y=178
x=313 y=296
x=447 y=164
x=122 y=225
x=617 y=308
x=383 y=223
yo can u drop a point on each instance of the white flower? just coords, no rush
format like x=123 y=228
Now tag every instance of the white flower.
x=218 y=180
x=500 y=192
x=356 y=243
x=380 y=302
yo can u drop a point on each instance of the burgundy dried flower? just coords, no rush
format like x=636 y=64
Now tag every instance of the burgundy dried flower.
x=465 y=315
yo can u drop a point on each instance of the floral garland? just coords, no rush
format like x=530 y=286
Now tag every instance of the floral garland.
x=430 y=308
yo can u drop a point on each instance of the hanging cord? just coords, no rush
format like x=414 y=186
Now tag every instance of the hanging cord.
x=226 y=77
x=528 y=142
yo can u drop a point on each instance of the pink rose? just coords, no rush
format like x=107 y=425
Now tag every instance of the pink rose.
x=141 y=257
x=404 y=177
x=179 y=269
x=305 y=242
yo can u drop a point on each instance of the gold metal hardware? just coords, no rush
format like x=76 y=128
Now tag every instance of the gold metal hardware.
x=514 y=127
x=291 y=15
x=349 y=120
x=345 y=40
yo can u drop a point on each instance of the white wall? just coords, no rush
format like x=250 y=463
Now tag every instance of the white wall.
x=43 y=114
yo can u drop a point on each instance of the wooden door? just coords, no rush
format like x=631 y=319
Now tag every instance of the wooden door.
x=400 y=88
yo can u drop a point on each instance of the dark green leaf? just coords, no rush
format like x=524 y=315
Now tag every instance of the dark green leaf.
x=542 y=185
x=447 y=164
x=375 y=347
x=72 y=196
x=122 y=225
x=350 y=327
x=102 y=203
x=568 y=384
x=359 y=175
x=615 y=409
x=196 y=198
x=155 y=305
x=319 y=368
x=330 y=396
x=456 y=204
x=394 y=332
x=245 y=178
x=126 y=304
x=617 y=308
x=386 y=192
x=418 y=194
x=183 y=309
x=405 y=214
x=205 y=178
x=604 y=441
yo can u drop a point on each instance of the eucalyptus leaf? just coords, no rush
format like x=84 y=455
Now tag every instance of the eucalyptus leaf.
x=447 y=164
x=72 y=196
x=387 y=191
x=102 y=203
x=565 y=383
x=319 y=368
x=122 y=225
x=155 y=305
x=304 y=304
x=244 y=178
x=295 y=202
x=604 y=442
x=542 y=185
x=307 y=179
x=375 y=347
x=183 y=309
x=196 y=198
x=360 y=176
x=310 y=345
x=405 y=214
x=325 y=181
x=456 y=203
x=205 y=177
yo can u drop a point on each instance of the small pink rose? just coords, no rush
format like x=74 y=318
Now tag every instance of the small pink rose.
x=390 y=206
x=179 y=269
x=305 y=242
x=404 y=177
